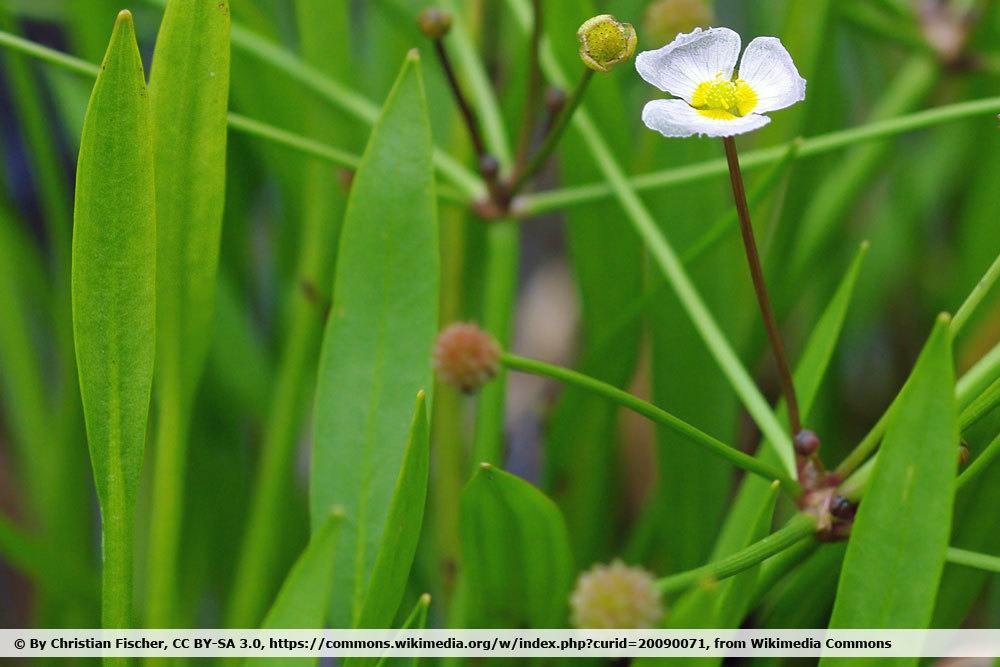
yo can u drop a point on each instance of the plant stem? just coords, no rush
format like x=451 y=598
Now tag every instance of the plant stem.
x=976 y=297
x=800 y=527
x=498 y=310
x=468 y=115
x=542 y=202
x=166 y=510
x=554 y=134
x=760 y=286
x=980 y=463
x=662 y=417
x=534 y=88
x=973 y=559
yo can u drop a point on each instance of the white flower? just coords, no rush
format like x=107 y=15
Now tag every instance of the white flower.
x=718 y=100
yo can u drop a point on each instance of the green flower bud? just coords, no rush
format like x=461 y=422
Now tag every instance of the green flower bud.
x=605 y=42
x=434 y=22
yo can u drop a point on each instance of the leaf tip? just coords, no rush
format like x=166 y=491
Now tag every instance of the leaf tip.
x=338 y=512
x=865 y=245
x=943 y=319
x=485 y=467
x=413 y=55
x=124 y=17
x=425 y=600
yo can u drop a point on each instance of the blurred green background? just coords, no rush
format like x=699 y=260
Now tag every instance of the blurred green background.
x=926 y=200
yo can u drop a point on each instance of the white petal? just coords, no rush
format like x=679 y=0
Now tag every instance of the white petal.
x=689 y=60
x=676 y=118
x=768 y=68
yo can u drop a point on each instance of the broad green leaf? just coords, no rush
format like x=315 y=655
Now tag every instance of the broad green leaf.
x=897 y=548
x=188 y=96
x=402 y=528
x=376 y=347
x=516 y=560
x=304 y=598
x=114 y=296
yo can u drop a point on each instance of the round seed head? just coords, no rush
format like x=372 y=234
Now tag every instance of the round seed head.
x=616 y=596
x=434 y=22
x=465 y=356
x=665 y=19
x=605 y=41
x=806 y=442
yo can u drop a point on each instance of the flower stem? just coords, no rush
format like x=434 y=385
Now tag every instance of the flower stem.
x=760 y=287
x=797 y=529
x=662 y=417
x=973 y=559
x=531 y=98
x=468 y=115
x=554 y=135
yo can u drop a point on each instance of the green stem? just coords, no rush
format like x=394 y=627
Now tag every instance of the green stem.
x=973 y=559
x=498 y=311
x=800 y=527
x=167 y=509
x=980 y=463
x=345 y=99
x=253 y=583
x=534 y=89
x=537 y=203
x=662 y=417
x=976 y=297
x=981 y=406
x=554 y=134
x=313 y=148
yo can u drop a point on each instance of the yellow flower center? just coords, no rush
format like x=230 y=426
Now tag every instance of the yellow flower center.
x=723 y=99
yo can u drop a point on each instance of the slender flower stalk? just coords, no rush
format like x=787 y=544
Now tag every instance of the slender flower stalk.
x=534 y=89
x=554 y=135
x=654 y=413
x=760 y=286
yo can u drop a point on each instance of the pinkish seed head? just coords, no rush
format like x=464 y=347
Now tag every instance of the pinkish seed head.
x=465 y=356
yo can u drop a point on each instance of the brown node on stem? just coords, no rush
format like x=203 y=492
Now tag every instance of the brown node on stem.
x=434 y=22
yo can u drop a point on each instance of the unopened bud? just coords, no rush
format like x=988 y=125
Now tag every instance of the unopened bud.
x=616 y=596
x=963 y=453
x=665 y=19
x=842 y=508
x=465 y=356
x=806 y=443
x=605 y=41
x=434 y=22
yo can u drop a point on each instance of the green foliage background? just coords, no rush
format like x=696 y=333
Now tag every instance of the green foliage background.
x=291 y=344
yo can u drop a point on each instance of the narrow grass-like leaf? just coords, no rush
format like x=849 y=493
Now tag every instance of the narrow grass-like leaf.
x=508 y=526
x=809 y=374
x=304 y=598
x=189 y=97
x=402 y=527
x=897 y=549
x=114 y=296
x=376 y=348
x=417 y=620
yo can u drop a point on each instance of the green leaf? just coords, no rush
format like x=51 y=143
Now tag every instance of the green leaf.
x=304 y=598
x=114 y=295
x=737 y=593
x=897 y=548
x=809 y=374
x=417 y=620
x=189 y=97
x=376 y=348
x=402 y=528
x=517 y=566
